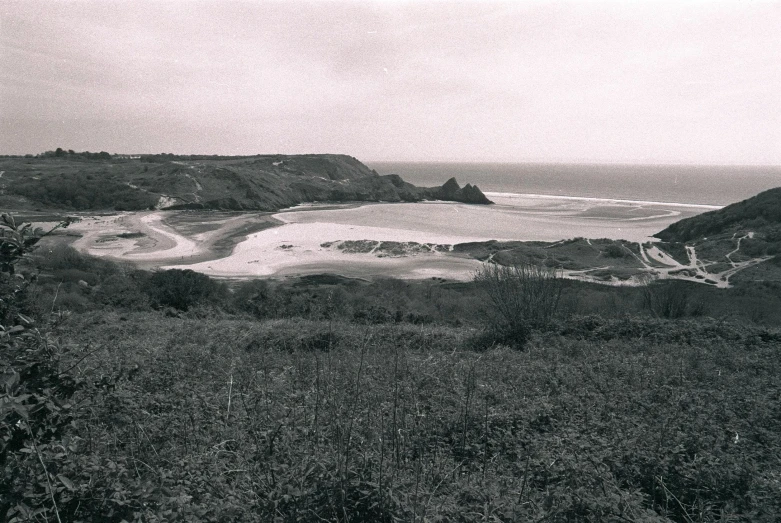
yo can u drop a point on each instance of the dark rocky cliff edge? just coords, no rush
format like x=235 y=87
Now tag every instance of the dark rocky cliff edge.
x=263 y=183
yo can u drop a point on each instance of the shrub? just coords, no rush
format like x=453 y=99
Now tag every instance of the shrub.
x=124 y=291
x=254 y=297
x=34 y=391
x=182 y=289
x=614 y=251
x=520 y=297
x=670 y=299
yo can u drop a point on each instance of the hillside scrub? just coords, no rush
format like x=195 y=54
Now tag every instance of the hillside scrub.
x=759 y=212
x=219 y=408
x=58 y=269
x=296 y=420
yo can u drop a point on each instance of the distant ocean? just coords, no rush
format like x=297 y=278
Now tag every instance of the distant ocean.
x=708 y=185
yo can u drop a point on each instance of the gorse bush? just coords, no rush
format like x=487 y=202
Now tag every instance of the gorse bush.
x=181 y=289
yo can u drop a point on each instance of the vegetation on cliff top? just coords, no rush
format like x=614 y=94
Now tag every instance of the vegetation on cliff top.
x=267 y=182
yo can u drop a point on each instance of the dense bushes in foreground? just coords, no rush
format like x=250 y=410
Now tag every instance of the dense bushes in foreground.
x=295 y=420
x=68 y=280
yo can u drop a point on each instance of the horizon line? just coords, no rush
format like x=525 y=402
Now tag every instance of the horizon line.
x=578 y=162
x=441 y=161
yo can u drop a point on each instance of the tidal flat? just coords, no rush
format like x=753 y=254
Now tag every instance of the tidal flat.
x=305 y=239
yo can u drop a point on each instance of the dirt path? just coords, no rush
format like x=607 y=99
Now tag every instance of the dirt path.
x=697 y=269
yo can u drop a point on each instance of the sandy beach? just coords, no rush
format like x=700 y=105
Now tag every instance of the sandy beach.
x=153 y=238
x=305 y=239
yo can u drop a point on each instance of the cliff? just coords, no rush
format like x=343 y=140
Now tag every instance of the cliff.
x=265 y=183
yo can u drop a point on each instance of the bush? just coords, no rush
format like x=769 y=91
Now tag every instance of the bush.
x=35 y=413
x=182 y=289
x=614 y=251
x=124 y=291
x=254 y=297
x=520 y=298
x=671 y=299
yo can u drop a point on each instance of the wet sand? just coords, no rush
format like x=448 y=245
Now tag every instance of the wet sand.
x=291 y=242
x=151 y=241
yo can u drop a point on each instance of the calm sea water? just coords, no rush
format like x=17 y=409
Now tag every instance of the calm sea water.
x=710 y=185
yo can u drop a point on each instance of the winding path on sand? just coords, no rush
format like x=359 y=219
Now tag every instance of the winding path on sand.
x=696 y=270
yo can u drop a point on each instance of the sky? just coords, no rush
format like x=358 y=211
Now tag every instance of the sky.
x=618 y=82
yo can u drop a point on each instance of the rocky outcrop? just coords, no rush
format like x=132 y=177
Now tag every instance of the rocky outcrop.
x=453 y=192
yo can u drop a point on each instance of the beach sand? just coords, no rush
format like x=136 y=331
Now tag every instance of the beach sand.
x=292 y=242
x=153 y=238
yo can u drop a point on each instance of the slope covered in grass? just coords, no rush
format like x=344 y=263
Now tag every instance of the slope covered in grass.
x=760 y=214
x=264 y=182
x=293 y=420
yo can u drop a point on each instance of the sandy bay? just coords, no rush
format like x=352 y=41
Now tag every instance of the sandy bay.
x=304 y=239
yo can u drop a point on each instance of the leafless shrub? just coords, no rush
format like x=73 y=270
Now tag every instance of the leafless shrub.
x=520 y=297
x=670 y=299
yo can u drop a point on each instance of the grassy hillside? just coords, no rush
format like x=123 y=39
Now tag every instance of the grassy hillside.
x=269 y=182
x=760 y=214
x=214 y=418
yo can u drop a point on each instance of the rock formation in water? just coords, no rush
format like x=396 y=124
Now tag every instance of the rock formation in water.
x=451 y=191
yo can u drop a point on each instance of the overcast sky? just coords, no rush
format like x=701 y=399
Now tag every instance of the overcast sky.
x=638 y=82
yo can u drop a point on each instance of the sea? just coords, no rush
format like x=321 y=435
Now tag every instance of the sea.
x=684 y=184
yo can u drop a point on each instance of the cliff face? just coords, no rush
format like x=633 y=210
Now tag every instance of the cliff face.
x=266 y=183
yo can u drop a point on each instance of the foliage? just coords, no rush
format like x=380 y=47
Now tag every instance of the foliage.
x=615 y=251
x=81 y=191
x=181 y=289
x=520 y=297
x=34 y=395
x=759 y=212
x=228 y=419
x=70 y=153
x=670 y=299
x=358 y=413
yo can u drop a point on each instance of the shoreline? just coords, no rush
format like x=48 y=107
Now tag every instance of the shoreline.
x=519 y=196
x=301 y=240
